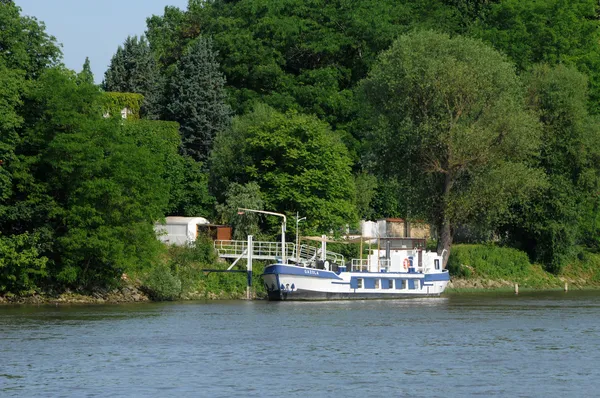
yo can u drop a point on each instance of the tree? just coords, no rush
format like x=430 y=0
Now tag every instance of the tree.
x=133 y=69
x=546 y=31
x=296 y=55
x=246 y=196
x=168 y=36
x=86 y=76
x=452 y=129
x=27 y=50
x=298 y=162
x=196 y=99
x=563 y=215
x=24 y=42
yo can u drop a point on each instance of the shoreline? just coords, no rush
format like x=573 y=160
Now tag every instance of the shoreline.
x=131 y=294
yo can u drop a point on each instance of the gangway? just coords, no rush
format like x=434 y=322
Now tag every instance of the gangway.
x=305 y=254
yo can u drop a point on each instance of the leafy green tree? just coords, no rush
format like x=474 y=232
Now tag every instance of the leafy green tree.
x=114 y=192
x=197 y=100
x=24 y=42
x=451 y=127
x=563 y=215
x=246 y=196
x=86 y=76
x=21 y=265
x=292 y=54
x=546 y=31
x=133 y=69
x=168 y=36
x=298 y=162
x=190 y=195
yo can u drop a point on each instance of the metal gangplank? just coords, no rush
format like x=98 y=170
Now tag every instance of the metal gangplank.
x=303 y=254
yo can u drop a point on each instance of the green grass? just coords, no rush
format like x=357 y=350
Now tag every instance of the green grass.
x=499 y=268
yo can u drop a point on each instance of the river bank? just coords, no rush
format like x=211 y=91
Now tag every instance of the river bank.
x=473 y=268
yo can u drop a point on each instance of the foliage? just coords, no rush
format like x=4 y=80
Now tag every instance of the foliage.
x=86 y=76
x=115 y=191
x=113 y=102
x=26 y=47
x=546 y=31
x=133 y=69
x=562 y=215
x=161 y=284
x=182 y=273
x=246 y=196
x=366 y=185
x=298 y=162
x=295 y=54
x=452 y=128
x=498 y=264
x=21 y=266
x=196 y=99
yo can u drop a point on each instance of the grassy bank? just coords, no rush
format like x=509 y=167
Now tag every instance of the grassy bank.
x=478 y=267
x=181 y=276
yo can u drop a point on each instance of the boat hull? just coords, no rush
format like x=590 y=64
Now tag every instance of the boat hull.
x=288 y=282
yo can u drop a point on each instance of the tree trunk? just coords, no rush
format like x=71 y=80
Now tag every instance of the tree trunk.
x=444 y=241
x=444 y=228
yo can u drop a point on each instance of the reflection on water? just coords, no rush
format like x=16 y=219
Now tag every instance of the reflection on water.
x=534 y=344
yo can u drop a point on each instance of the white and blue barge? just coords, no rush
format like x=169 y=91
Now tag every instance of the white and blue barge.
x=402 y=270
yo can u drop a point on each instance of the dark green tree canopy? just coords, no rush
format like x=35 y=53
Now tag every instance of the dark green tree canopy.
x=298 y=162
x=546 y=31
x=86 y=76
x=196 y=99
x=563 y=215
x=133 y=69
x=452 y=128
x=24 y=43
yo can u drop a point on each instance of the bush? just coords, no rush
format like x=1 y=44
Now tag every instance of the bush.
x=496 y=263
x=161 y=284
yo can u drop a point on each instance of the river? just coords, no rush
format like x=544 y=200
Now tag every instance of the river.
x=530 y=345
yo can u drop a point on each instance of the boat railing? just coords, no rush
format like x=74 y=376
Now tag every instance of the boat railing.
x=364 y=265
x=359 y=264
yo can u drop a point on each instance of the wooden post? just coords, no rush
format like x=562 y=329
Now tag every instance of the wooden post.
x=566 y=287
x=249 y=269
x=516 y=288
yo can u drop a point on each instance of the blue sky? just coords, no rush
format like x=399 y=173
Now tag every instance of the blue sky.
x=94 y=28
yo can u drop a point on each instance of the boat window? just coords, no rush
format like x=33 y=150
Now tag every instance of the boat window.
x=390 y=283
x=359 y=283
x=376 y=283
x=437 y=263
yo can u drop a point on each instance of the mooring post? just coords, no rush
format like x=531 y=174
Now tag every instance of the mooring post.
x=249 y=269
x=516 y=288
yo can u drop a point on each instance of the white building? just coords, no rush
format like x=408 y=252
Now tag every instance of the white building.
x=179 y=230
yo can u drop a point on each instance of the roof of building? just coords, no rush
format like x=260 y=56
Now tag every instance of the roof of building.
x=177 y=220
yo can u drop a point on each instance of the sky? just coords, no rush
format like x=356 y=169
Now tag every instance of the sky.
x=94 y=28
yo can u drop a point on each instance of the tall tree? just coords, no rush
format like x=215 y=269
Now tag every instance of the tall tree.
x=453 y=129
x=86 y=76
x=546 y=31
x=564 y=214
x=196 y=99
x=133 y=69
x=26 y=51
x=297 y=161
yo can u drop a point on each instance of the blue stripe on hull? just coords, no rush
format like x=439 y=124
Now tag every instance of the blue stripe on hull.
x=304 y=295
x=280 y=269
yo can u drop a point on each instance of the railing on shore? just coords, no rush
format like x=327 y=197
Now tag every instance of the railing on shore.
x=272 y=251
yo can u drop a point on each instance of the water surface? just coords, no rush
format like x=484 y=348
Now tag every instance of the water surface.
x=531 y=345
